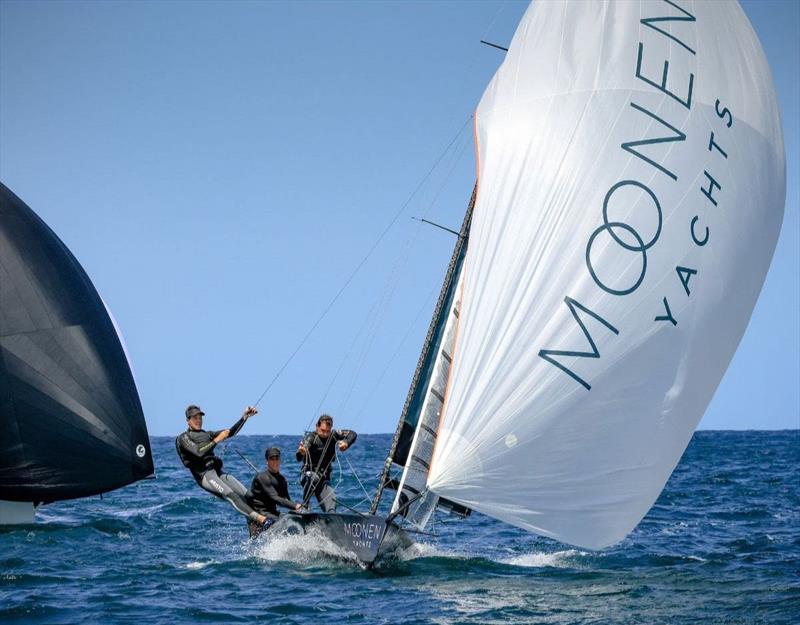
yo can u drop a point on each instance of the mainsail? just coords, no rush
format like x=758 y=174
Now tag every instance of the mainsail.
x=71 y=423
x=630 y=194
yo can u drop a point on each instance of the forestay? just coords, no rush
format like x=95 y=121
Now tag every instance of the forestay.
x=631 y=190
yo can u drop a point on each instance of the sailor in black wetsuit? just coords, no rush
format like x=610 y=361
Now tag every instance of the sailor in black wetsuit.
x=317 y=452
x=268 y=491
x=196 y=450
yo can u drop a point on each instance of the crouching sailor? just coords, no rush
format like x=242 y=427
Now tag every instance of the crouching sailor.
x=317 y=452
x=196 y=450
x=268 y=491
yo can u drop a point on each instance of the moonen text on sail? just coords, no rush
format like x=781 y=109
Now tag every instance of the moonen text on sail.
x=680 y=89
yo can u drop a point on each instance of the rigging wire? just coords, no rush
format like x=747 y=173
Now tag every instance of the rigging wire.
x=243 y=457
x=353 y=471
x=468 y=73
x=458 y=156
x=360 y=265
x=375 y=385
x=406 y=249
x=391 y=360
x=372 y=322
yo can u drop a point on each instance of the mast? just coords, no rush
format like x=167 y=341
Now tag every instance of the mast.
x=403 y=436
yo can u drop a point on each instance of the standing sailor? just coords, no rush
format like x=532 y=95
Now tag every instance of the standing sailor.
x=196 y=450
x=317 y=451
x=268 y=491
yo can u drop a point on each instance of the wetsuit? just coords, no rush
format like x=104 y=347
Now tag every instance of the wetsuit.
x=318 y=466
x=196 y=451
x=268 y=491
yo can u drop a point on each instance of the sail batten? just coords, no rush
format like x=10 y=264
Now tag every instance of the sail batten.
x=632 y=184
x=417 y=467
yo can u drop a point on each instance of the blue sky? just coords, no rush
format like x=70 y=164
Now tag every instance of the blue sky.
x=220 y=169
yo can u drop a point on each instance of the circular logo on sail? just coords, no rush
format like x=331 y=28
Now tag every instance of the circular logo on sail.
x=140 y=451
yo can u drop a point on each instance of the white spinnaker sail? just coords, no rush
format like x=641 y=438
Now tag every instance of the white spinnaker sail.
x=589 y=345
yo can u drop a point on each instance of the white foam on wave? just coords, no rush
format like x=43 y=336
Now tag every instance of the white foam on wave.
x=45 y=516
x=427 y=550
x=696 y=558
x=535 y=559
x=195 y=566
x=541 y=559
x=420 y=550
x=307 y=549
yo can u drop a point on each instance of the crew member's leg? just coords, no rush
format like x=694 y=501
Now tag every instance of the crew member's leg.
x=214 y=484
x=236 y=485
x=326 y=496
x=309 y=482
x=256 y=529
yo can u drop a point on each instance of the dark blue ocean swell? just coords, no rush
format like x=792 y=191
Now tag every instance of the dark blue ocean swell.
x=721 y=545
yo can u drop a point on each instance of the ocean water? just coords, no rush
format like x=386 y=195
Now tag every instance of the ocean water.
x=721 y=545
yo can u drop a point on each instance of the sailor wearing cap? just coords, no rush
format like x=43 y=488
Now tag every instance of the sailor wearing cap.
x=196 y=450
x=270 y=490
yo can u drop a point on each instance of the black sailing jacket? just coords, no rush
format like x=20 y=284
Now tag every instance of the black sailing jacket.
x=196 y=449
x=321 y=452
x=268 y=491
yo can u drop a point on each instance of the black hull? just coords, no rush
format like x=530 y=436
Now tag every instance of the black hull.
x=367 y=537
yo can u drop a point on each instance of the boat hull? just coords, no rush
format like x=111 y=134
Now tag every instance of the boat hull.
x=367 y=537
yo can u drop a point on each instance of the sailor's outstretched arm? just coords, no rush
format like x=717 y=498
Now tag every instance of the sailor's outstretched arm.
x=348 y=437
x=249 y=412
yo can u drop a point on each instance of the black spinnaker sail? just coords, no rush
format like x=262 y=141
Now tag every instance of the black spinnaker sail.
x=71 y=423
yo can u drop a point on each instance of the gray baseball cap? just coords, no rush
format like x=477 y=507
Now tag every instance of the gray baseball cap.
x=272 y=452
x=193 y=410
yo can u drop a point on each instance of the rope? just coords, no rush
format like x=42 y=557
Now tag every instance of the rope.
x=392 y=282
x=392 y=358
x=224 y=449
x=360 y=265
x=361 y=501
x=353 y=471
x=243 y=457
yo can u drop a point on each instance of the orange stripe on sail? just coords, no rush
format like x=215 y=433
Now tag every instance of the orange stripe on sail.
x=463 y=281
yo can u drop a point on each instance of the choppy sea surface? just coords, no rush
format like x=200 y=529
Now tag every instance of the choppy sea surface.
x=721 y=545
